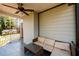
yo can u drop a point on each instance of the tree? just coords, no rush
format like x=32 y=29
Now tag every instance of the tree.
x=10 y=24
x=2 y=24
x=0 y=30
x=7 y=23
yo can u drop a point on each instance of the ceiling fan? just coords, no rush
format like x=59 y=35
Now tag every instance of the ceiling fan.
x=20 y=8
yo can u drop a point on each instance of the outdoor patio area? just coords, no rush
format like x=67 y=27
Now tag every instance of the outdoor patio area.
x=8 y=38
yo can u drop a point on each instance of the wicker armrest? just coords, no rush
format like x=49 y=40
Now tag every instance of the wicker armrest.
x=35 y=39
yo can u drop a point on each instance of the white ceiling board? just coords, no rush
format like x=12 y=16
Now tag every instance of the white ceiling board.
x=38 y=7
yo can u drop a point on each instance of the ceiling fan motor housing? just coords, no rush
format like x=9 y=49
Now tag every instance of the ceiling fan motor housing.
x=21 y=8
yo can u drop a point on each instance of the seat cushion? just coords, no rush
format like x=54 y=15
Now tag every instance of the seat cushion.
x=59 y=52
x=41 y=39
x=64 y=46
x=48 y=47
x=49 y=42
x=38 y=43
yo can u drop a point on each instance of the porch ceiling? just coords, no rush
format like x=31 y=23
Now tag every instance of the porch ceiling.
x=38 y=7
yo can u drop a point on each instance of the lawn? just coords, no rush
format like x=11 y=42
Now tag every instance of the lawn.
x=8 y=38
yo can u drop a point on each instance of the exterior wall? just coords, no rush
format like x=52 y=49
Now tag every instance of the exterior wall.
x=29 y=28
x=58 y=23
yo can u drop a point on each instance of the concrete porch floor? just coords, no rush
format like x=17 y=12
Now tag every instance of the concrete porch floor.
x=12 y=49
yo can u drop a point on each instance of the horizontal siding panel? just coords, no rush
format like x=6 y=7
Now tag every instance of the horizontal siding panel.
x=58 y=23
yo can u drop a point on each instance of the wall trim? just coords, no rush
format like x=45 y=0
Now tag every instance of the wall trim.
x=76 y=25
x=38 y=25
x=52 y=7
x=69 y=4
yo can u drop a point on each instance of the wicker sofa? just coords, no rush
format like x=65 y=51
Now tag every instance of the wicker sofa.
x=56 y=48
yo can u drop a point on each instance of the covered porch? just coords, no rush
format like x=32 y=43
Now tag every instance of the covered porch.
x=55 y=21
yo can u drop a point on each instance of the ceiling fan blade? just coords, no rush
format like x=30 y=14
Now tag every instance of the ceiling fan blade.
x=29 y=10
x=9 y=6
x=25 y=13
x=17 y=12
